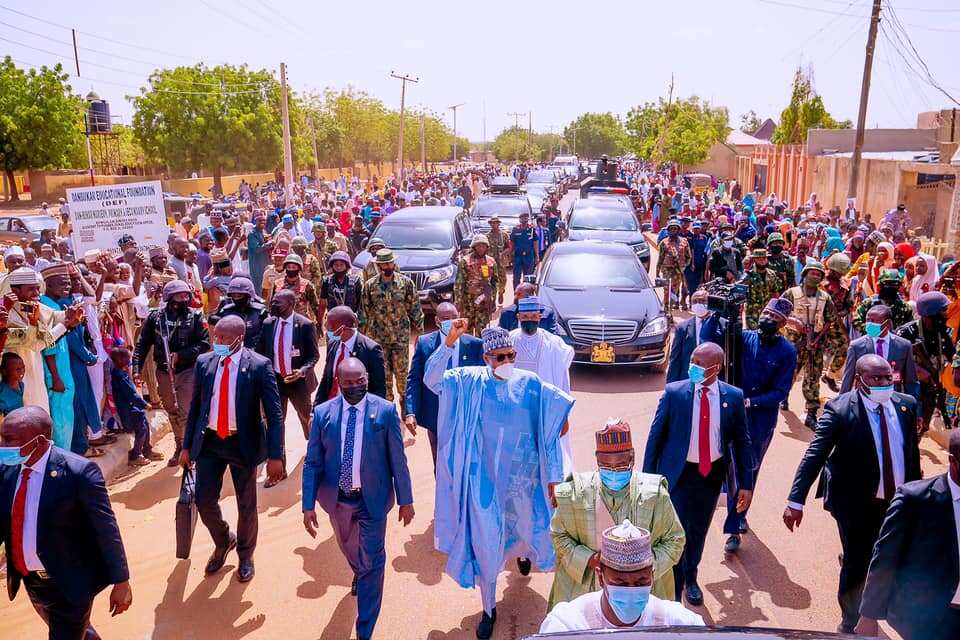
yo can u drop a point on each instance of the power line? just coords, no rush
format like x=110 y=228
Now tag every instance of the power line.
x=230 y=16
x=843 y=13
x=920 y=9
x=898 y=26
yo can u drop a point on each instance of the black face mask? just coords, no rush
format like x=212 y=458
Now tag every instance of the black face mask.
x=354 y=394
x=293 y=274
x=775 y=249
x=889 y=291
x=241 y=303
x=529 y=327
x=768 y=327
x=387 y=272
x=177 y=307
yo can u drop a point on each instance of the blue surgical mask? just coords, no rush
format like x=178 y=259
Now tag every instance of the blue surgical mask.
x=615 y=480
x=11 y=457
x=881 y=394
x=697 y=373
x=332 y=336
x=222 y=350
x=874 y=329
x=628 y=603
x=445 y=327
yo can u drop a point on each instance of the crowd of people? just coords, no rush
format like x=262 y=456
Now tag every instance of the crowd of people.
x=225 y=326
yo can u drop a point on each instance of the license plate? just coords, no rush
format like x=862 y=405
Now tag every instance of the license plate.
x=603 y=353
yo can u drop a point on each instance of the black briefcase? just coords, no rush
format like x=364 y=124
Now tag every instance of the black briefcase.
x=186 y=514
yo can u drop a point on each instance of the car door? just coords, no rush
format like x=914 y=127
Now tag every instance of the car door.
x=5 y=236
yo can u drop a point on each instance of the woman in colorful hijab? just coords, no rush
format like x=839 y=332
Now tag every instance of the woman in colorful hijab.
x=925 y=278
x=883 y=260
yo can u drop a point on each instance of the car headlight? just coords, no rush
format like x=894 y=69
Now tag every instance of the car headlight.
x=560 y=332
x=641 y=249
x=439 y=275
x=655 y=327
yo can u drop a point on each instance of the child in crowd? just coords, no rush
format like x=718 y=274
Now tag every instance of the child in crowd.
x=11 y=389
x=131 y=408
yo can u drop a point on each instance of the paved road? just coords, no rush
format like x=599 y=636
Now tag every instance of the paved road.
x=302 y=585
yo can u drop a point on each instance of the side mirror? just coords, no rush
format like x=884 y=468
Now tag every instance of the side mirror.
x=465 y=244
x=660 y=282
x=646 y=226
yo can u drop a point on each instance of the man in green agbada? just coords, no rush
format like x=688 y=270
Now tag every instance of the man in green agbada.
x=621 y=493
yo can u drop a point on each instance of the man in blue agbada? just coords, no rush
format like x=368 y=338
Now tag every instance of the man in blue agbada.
x=498 y=457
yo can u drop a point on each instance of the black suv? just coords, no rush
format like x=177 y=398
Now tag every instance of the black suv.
x=504 y=200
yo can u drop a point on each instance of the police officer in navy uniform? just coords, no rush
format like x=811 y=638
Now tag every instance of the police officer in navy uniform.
x=526 y=255
x=243 y=302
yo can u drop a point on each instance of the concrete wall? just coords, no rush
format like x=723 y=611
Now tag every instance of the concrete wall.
x=879 y=189
x=721 y=162
x=819 y=141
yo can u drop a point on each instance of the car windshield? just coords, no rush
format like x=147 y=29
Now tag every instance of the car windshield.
x=605 y=218
x=416 y=235
x=548 y=177
x=510 y=207
x=537 y=189
x=39 y=223
x=585 y=270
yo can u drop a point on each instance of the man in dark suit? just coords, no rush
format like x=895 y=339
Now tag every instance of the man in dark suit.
x=508 y=315
x=234 y=422
x=356 y=468
x=345 y=341
x=421 y=404
x=866 y=446
x=61 y=537
x=700 y=423
x=690 y=333
x=289 y=341
x=891 y=347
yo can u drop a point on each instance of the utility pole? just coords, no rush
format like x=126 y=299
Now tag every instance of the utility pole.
x=423 y=142
x=516 y=128
x=454 y=109
x=287 y=152
x=484 y=145
x=864 y=95
x=404 y=79
x=86 y=116
x=316 y=156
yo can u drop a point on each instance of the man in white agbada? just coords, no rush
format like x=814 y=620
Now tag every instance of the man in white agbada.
x=626 y=574
x=546 y=355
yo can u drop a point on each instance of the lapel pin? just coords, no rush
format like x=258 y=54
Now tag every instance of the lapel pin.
x=903 y=408
x=725 y=405
x=53 y=474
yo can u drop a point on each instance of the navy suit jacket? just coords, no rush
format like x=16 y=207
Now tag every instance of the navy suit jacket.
x=712 y=329
x=256 y=388
x=304 y=340
x=365 y=349
x=420 y=401
x=384 y=476
x=899 y=355
x=508 y=319
x=669 y=439
x=78 y=540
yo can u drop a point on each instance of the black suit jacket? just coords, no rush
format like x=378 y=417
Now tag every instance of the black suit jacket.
x=369 y=352
x=844 y=449
x=259 y=421
x=78 y=540
x=915 y=568
x=712 y=329
x=305 y=353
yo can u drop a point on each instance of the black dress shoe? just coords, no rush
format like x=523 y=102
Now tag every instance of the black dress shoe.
x=523 y=564
x=732 y=545
x=353 y=587
x=694 y=594
x=784 y=406
x=485 y=628
x=744 y=527
x=811 y=421
x=846 y=628
x=245 y=571
x=219 y=556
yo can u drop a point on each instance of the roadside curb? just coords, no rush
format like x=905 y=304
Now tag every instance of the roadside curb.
x=113 y=462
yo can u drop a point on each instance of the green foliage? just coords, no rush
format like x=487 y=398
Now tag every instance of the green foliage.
x=595 y=134
x=750 y=121
x=805 y=111
x=515 y=143
x=41 y=120
x=682 y=131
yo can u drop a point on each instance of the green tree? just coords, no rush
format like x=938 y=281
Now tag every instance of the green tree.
x=515 y=143
x=595 y=134
x=225 y=117
x=41 y=121
x=750 y=121
x=680 y=131
x=805 y=111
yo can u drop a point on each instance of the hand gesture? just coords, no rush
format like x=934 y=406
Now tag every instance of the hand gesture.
x=4 y=315
x=275 y=470
x=121 y=597
x=406 y=514
x=457 y=329
x=744 y=498
x=74 y=314
x=293 y=377
x=9 y=300
x=411 y=423
x=310 y=522
x=792 y=517
x=185 y=459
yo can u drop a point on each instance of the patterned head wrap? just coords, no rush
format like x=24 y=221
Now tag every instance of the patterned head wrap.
x=626 y=547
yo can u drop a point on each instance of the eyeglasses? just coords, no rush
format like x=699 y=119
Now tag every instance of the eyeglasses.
x=500 y=357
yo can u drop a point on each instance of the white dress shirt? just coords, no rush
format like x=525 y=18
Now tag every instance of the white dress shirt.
x=346 y=348
x=713 y=395
x=357 y=436
x=34 y=487
x=884 y=348
x=894 y=437
x=955 y=498
x=697 y=326
x=286 y=325
x=215 y=398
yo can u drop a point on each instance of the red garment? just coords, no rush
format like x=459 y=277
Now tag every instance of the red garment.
x=223 y=406
x=704 y=448
x=17 y=515
x=335 y=387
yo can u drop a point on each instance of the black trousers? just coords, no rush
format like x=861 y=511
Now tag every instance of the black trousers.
x=858 y=535
x=65 y=620
x=216 y=455
x=695 y=499
x=432 y=437
x=299 y=396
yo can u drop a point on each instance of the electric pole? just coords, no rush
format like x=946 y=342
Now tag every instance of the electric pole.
x=484 y=146
x=423 y=143
x=86 y=116
x=454 y=109
x=864 y=95
x=287 y=153
x=516 y=128
x=404 y=79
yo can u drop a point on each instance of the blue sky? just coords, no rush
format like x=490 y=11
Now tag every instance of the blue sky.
x=554 y=59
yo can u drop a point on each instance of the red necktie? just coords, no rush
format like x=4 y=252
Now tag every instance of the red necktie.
x=880 y=347
x=889 y=485
x=223 y=402
x=704 y=441
x=335 y=389
x=16 y=528
x=281 y=351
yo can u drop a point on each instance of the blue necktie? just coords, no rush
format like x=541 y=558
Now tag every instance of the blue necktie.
x=346 y=465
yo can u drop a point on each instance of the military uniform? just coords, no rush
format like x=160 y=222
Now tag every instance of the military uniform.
x=838 y=338
x=816 y=313
x=307 y=299
x=781 y=262
x=313 y=269
x=764 y=285
x=900 y=312
x=932 y=351
x=674 y=256
x=500 y=252
x=476 y=280
x=389 y=312
x=252 y=315
x=524 y=241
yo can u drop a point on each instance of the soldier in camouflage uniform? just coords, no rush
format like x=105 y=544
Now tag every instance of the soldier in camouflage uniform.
x=888 y=283
x=838 y=338
x=308 y=302
x=389 y=313
x=673 y=257
x=500 y=251
x=764 y=285
x=322 y=247
x=312 y=267
x=807 y=328
x=475 y=289
x=780 y=261
x=370 y=269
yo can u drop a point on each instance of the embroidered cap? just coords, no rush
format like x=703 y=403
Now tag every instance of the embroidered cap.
x=528 y=304
x=779 y=306
x=496 y=338
x=626 y=547
x=614 y=437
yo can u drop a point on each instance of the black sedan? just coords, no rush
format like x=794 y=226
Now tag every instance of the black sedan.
x=607 y=308
x=608 y=219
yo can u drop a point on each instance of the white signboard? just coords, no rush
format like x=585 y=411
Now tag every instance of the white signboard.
x=101 y=215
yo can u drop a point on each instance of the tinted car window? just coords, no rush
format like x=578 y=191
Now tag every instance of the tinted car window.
x=609 y=218
x=433 y=235
x=38 y=223
x=548 y=177
x=512 y=207
x=592 y=270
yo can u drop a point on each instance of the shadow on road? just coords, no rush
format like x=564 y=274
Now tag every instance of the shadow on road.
x=326 y=566
x=591 y=379
x=796 y=429
x=161 y=484
x=421 y=558
x=281 y=497
x=519 y=612
x=342 y=621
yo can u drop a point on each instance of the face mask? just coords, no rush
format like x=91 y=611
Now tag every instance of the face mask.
x=628 y=603
x=775 y=249
x=293 y=274
x=445 y=327
x=874 y=329
x=504 y=371
x=529 y=327
x=728 y=244
x=11 y=457
x=354 y=394
x=880 y=394
x=697 y=373
x=387 y=272
x=177 y=307
x=889 y=292
x=224 y=350
x=768 y=327
x=699 y=309
x=615 y=480
x=811 y=282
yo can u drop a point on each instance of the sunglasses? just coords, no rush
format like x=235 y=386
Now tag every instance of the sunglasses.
x=500 y=357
